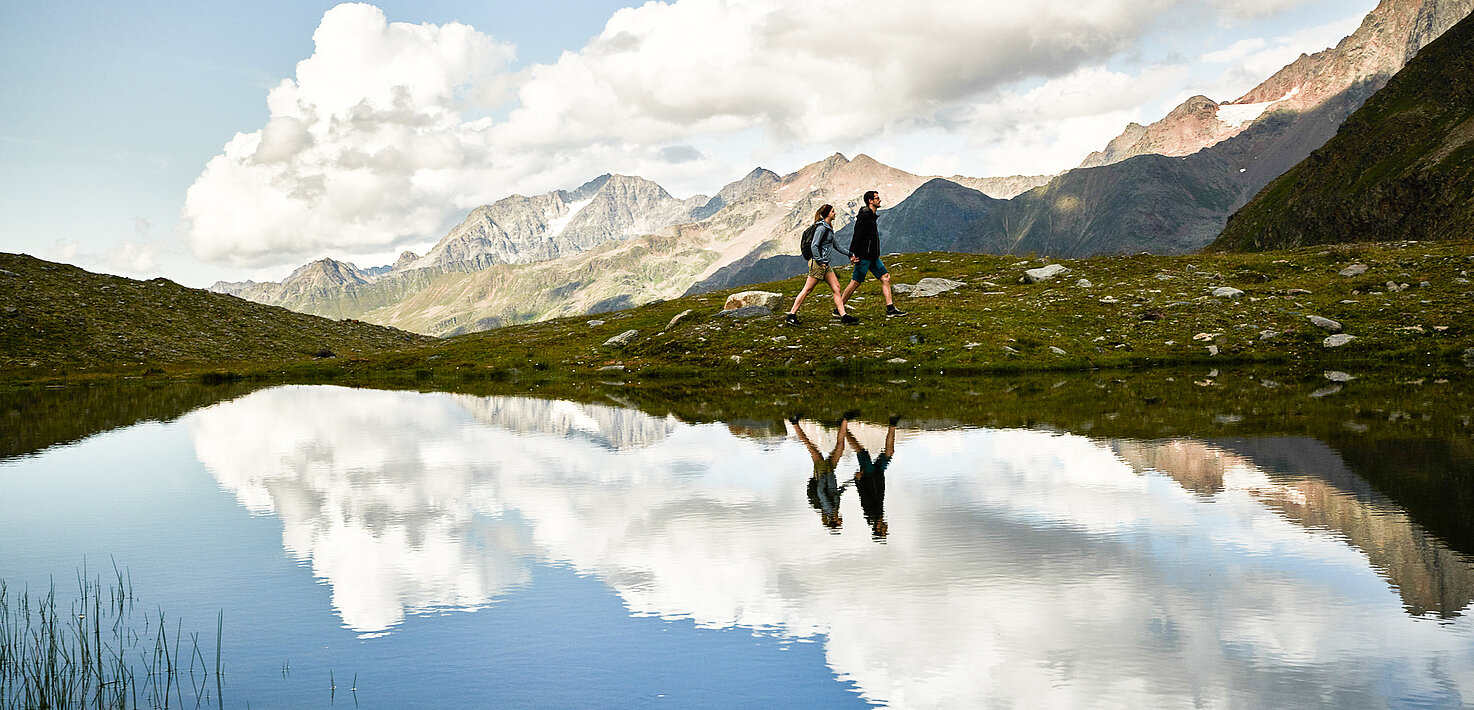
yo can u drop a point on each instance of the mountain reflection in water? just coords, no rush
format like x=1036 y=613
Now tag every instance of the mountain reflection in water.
x=1024 y=567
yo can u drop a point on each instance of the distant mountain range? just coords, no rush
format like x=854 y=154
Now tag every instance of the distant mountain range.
x=1401 y=167
x=619 y=241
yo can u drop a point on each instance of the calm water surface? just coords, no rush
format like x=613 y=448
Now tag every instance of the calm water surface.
x=458 y=551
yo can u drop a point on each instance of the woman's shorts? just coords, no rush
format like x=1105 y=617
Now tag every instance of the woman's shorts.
x=819 y=271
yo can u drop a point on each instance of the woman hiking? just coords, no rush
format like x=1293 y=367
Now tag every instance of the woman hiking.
x=819 y=269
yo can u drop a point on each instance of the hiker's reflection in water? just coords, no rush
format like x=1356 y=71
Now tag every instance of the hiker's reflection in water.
x=824 y=488
x=870 y=480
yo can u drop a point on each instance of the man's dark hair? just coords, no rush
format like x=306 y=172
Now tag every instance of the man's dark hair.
x=869 y=194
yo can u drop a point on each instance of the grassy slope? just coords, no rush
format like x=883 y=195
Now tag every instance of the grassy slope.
x=57 y=319
x=1140 y=310
x=1401 y=167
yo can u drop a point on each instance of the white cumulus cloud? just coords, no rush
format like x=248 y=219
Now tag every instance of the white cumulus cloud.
x=390 y=132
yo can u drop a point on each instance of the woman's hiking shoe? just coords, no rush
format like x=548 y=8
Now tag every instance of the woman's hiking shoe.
x=790 y=319
x=848 y=319
x=834 y=312
x=892 y=312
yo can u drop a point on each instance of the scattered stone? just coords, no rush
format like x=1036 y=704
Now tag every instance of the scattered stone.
x=1297 y=292
x=612 y=368
x=934 y=286
x=1326 y=391
x=1084 y=283
x=1338 y=376
x=1152 y=315
x=1412 y=329
x=747 y=312
x=677 y=318
x=1206 y=336
x=1165 y=277
x=1228 y=419
x=1424 y=284
x=1468 y=356
x=1268 y=384
x=897 y=361
x=1212 y=349
x=1056 y=350
x=1227 y=292
x=1268 y=334
x=1109 y=300
x=1044 y=273
x=1336 y=341
x=593 y=323
x=1326 y=323
x=1357 y=427
x=917 y=339
x=1395 y=287
x=736 y=359
x=901 y=288
x=1354 y=270
x=753 y=298
x=622 y=339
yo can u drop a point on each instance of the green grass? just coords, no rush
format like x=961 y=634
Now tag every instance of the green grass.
x=1140 y=311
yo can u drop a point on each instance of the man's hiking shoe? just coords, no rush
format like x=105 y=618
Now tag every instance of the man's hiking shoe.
x=848 y=319
x=892 y=312
x=790 y=319
x=834 y=312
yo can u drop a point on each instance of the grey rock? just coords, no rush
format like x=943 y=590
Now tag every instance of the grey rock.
x=1297 y=292
x=901 y=288
x=612 y=368
x=1354 y=270
x=1326 y=323
x=934 y=286
x=1469 y=357
x=593 y=323
x=752 y=298
x=1084 y=283
x=622 y=339
x=1227 y=292
x=1056 y=350
x=1338 y=376
x=1044 y=273
x=677 y=319
x=1212 y=349
x=747 y=312
x=1336 y=341
x=1326 y=391
x=1268 y=334
x=1009 y=350
x=897 y=361
x=1395 y=287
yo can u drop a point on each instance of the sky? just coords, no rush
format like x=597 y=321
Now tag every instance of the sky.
x=233 y=141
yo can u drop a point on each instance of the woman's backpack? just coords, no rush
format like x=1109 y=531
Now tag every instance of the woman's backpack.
x=805 y=246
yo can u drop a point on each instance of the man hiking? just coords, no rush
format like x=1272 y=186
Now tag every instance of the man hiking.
x=865 y=246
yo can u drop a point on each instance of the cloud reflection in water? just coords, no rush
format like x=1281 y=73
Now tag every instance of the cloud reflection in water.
x=1022 y=567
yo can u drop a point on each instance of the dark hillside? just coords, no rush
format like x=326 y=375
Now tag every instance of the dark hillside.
x=1401 y=167
x=56 y=316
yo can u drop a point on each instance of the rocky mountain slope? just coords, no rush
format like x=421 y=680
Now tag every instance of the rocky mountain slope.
x=1158 y=188
x=59 y=316
x=1401 y=167
x=1389 y=36
x=760 y=218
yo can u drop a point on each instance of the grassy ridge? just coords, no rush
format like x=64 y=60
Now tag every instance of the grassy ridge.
x=1137 y=311
x=57 y=319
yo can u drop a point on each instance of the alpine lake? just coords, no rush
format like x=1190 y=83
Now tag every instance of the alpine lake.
x=1160 y=539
